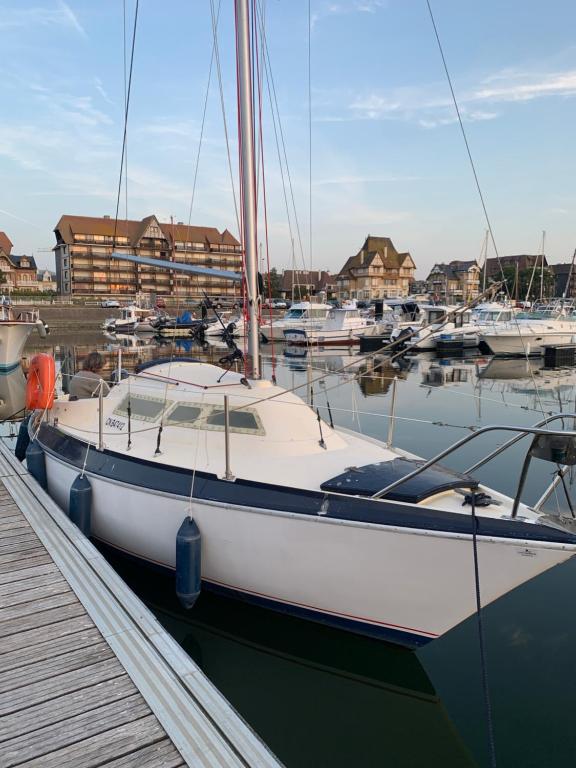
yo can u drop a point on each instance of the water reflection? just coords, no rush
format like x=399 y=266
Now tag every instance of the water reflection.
x=318 y=697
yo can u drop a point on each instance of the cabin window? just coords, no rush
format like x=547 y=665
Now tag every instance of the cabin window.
x=142 y=407
x=240 y=421
x=183 y=415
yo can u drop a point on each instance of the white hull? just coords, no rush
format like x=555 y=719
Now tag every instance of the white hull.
x=13 y=337
x=522 y=343
x=381 y=580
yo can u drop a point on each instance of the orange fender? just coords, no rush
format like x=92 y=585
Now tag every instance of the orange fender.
x=40 y=385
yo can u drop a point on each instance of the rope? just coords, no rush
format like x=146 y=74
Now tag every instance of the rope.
x=481 y=639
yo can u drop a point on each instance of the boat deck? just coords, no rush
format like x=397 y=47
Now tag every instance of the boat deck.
x=88 y=677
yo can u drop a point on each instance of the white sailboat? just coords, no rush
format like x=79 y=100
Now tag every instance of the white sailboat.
x=293 y=514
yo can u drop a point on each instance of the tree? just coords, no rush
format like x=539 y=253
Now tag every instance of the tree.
x=524 y=278
x=275 y=281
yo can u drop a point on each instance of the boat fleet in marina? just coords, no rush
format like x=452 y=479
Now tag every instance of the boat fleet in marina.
x=496 y=327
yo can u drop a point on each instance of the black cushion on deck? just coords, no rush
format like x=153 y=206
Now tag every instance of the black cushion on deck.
x=371 y=478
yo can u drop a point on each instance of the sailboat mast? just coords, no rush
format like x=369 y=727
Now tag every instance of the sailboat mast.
x=542 y=267
x=248 y=172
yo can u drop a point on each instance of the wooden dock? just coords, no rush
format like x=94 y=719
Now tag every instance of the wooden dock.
x=88 y=676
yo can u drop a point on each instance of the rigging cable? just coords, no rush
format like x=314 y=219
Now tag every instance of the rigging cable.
x=126 y=110
x=476 y=179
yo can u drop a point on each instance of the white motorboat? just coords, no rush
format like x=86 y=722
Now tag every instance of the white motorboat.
x=133 y=319
x=529 y=333
x=484 y=317
x=292 y=513
x=341 y=326
x=437 y=322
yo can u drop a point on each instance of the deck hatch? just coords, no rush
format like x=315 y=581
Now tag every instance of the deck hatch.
x=371 y=478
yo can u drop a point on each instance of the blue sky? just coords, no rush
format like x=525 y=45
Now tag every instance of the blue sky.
x=388 y=158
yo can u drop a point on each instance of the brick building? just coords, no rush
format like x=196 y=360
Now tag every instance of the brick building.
x=84 y=267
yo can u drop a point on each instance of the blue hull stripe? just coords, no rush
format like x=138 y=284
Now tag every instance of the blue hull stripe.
x=8 y=367
x=153 y=476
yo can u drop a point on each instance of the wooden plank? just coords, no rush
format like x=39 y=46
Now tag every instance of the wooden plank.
x=163 y=754
x=25 y=573
x=78 y=728
x=21 y=657
x=36 y=621
x=15 y=537
x=25 y=562
x=45 y=690
x=49 y=633
x=15 y=558
x=100 y=749
x=49 y=667
x=37 y=606
x=55 y=587
x=59 y=710
x=14 y=522
x=19 y=547
x=79 y=658
x=23 y=585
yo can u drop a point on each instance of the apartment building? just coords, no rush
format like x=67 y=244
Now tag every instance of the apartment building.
x=84 y=267
x=377 y=271
x=19 y=273
x=454 y=282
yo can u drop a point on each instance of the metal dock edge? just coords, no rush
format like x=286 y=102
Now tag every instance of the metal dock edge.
x=202 y=725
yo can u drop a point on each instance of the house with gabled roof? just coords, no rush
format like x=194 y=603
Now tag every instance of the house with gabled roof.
x=454 y=282
x=84 y=267
x=377 y=271
x=19 y=272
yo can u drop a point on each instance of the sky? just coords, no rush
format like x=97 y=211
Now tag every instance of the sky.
x=387 y=155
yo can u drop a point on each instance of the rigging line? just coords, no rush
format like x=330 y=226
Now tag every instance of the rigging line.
x=264 y=198
x=125 y=101
x=282 y=140
x=124 y=137
x=476 y=179
x=277 y=141
x=223 y=108
x=310 y=130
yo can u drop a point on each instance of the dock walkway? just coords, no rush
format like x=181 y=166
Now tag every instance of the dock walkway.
x=88 y=676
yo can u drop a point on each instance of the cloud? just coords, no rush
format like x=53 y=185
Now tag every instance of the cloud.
x=555 y=84
x=363 y=180
x=328 y=9
x=100 y=88
x=431 y=106
x=59 y=16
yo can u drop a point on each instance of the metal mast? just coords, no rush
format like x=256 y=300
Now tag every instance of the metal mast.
x=248 y=172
